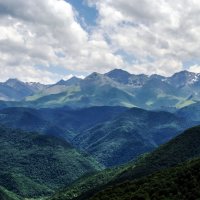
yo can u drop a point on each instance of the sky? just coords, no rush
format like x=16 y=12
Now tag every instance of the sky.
x=45 y=41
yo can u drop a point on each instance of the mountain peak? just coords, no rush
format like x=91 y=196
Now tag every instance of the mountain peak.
x=61 y=82
x=13 y=82
x=126 y=78
x=72 y=81
x=94 y=75
x=158 y=77
x=118 y=72
x=97 y=79
x=74 y=78
x=184 y=73
x=184 y=78
x=119 y=75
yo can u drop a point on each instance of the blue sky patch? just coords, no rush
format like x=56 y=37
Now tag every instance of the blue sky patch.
x=89 y=14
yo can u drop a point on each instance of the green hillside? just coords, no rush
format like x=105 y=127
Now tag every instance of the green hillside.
x=113 y=135
x=7 y=195
x=181 y=182
x=129 y=135
x=34 y=165
x=86 y=183
x=182 y=148
x=63 y=122
x=81 y=97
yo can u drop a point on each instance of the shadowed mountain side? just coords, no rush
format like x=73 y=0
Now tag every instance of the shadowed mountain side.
x=129 y=135
x=63 y=122
x=181 y=182
x=184 y=147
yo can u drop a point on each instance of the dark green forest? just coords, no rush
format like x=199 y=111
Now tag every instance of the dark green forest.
x=181 y=182
x=179 y=150
x=35 y=165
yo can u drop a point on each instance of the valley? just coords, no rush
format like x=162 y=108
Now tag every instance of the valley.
x=103 y=137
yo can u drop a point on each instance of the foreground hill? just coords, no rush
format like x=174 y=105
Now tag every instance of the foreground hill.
x=7 y=195
x=181 y=182
x=34 y=165
x=182 y=148
x=129 y=135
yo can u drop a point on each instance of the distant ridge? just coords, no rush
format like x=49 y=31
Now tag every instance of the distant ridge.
x=114 y=74
x=115 y=88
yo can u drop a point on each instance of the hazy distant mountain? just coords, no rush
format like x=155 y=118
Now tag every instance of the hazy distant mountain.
x=36 y=87
x=115 y=88
x=125 y=89
x=183 y=78
x=126 y=78
x=72 y=81
x=119 y=75
x=95 y=90
x=15 y=90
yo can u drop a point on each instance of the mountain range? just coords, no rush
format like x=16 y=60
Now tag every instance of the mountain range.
x=120 y=87
x=15 y=90
x=108 y=136
x=50 y=148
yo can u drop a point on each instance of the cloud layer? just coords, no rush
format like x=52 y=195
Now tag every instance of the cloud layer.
x=141 y=36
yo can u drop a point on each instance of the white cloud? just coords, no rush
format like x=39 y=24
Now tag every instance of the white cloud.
x=71 y=75
x=28 y=74
x=47 y=33
x=195 y=68
x=157 y=31
x=158 y=35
